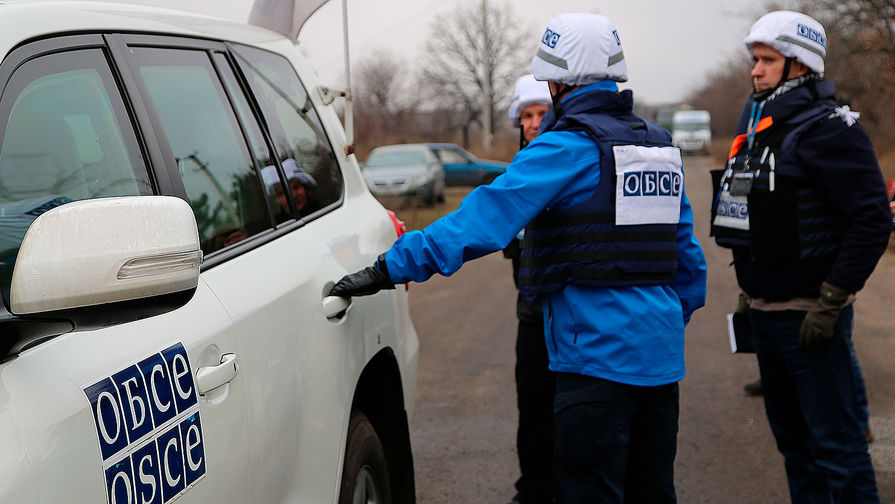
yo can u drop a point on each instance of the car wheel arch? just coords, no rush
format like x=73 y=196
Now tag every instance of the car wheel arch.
x=380 y=396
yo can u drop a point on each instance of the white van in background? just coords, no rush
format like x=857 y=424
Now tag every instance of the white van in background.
x=691 y=130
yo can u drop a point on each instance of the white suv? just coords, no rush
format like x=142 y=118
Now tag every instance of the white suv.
x=128 y=374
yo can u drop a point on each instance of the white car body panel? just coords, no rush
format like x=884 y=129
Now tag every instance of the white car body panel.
x=261 y=297
x=54 y=419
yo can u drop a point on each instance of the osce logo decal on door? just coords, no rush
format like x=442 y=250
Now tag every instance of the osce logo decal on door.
x=149 y=431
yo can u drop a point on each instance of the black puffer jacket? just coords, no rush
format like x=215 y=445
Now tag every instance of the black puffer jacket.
x=840 y=159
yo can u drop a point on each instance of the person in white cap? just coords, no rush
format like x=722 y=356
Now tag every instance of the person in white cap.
x=534 y=381
x=301 y=186
x=609 y=253
x=531 y=101
x=803 y=206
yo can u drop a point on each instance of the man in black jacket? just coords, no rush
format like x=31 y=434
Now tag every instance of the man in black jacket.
x=534 y=381
x=803 y=206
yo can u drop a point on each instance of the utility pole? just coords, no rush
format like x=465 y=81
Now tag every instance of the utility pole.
x=487 y=137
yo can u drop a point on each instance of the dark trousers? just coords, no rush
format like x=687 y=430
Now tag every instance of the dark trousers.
x=615 y=443
x=812 y=408
x=534 y=439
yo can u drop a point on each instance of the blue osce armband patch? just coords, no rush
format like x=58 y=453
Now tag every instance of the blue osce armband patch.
x=148 y=427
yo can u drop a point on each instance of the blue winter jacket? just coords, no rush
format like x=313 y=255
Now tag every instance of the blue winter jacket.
x=632 y=335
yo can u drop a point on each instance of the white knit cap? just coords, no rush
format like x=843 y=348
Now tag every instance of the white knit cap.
x=578 y=49
x=293 y=172
x=792 y=34
x=528 y=91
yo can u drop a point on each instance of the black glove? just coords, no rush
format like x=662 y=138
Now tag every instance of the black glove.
x=365 y=282
x=817 y=328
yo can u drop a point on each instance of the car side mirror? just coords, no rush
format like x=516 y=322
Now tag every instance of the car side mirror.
x=109 y=250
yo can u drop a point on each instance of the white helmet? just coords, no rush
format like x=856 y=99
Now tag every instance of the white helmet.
x=528 y=91
x=578 y=49
x=792 y=34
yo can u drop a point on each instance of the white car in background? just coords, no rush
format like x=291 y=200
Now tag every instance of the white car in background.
x=408 y=170
x=132 y=144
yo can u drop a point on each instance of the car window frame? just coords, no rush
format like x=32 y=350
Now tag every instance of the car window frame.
x=255 y=116
x=465 y=159
x=135 y=145
x=150 y=135
x=123 y=42
x=236 y=57
x=31 y=50
x=233 y=180
x=465 y=154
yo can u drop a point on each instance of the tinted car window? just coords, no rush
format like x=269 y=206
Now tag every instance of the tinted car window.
x=302 y=147
x=212 y=157
x=68 y=138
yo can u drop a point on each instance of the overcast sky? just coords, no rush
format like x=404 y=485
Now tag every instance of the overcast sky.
x=669 y=45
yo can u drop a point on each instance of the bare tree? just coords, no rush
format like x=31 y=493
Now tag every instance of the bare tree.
x=861 y=58
x=384 y=106
x=379 y=80
x=873 y=21
x=473 y=58
x=723 y=94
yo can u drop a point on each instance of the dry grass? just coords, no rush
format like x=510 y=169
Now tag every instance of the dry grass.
x=503 y=148
x=887 y=162
x=416 y=215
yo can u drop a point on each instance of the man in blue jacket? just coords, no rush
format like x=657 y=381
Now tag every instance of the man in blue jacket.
x=610 y=255
x=803 y=206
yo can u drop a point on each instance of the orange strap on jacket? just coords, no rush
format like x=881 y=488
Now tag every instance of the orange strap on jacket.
x=739 y=140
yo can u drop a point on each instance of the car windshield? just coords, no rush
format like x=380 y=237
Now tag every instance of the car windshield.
x=690 y=126
x=395 y=158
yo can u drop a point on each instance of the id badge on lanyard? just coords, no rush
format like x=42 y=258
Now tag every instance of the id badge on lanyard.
x=741 y=183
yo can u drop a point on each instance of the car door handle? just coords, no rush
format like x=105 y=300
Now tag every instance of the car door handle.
x=335 y=306
x=209 y=378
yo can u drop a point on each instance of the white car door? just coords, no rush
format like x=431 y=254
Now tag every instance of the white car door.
x=267 y=279
x=344 y=230
x=273 y=223
x=301 y=367
x=115 y=414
